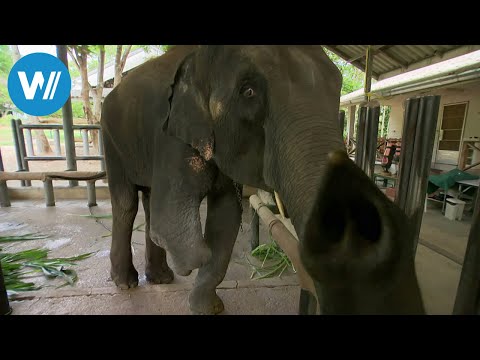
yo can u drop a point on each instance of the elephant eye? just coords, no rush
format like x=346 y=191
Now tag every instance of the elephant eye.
x=248 y=92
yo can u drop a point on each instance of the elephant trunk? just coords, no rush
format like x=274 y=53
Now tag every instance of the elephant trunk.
x=297 y=154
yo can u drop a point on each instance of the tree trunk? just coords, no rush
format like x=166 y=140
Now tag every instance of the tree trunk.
x=98 y=95
x=81 y=55
x=39 y=135
x=120 y=61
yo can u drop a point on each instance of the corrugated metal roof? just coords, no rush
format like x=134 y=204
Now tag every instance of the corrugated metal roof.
x=391 y=60
x=459 y=69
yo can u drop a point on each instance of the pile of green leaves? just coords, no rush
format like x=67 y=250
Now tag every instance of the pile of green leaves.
x=274 y=261
x=19 y=266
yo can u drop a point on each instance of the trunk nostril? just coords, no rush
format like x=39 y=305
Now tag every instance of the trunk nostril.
x=367 y=221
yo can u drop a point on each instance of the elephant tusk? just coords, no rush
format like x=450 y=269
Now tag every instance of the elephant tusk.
x=280 y=206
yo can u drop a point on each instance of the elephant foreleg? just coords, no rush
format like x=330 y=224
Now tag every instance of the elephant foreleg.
x=156 y=267
x=221 y=230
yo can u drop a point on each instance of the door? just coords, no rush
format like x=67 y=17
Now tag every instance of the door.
x=451 y=132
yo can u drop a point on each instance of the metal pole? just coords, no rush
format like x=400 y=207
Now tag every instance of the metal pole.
x=100 y=150
x=92 y=196
x=419 y=126
x=86 y=150
x=467 y=301
x=341 y=121
x=371 y=137
x=361 y=146
x=17 y=149
x=68 y=122
x=23 y=150
x=5 y=308
x=351 y=122
x=368 y=72
x=49 y=194
x=56 y=141
x=4 y=199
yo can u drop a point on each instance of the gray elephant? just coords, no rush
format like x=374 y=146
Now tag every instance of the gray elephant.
x=199 y=121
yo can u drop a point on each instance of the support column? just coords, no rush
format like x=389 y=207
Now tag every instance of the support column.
x=91 y=193
x=22 y=148
x=367 y=136
x=467 y=301
x=4 y=198
x=361 y=128
x=351 y=122
x=368 y=72
x=341 y=121
x=49 y=193
x=4 y=304
x=419 y=126
x=68 y=122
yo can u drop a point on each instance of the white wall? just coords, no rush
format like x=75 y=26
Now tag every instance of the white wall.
x=450 y=95
x=395 y=123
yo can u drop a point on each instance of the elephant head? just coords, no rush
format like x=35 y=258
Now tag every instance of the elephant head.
x=265 y=114
x=268 y=117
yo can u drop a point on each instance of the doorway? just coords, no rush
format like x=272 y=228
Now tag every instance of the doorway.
x=451 y=133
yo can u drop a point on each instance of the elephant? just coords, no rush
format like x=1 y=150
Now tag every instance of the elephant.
x=201 y=121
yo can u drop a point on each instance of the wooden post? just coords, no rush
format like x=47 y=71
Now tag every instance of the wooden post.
x=368 y=72
x=4 y=199
x=68 y=122
x=468 y=292
x=49 y=194
x=92 y=196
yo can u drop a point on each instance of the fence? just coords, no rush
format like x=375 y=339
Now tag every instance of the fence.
x=24 y=152
x=24 y=149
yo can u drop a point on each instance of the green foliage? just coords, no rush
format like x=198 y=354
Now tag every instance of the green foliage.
x=77 y=110
x=166 y=47
x=6 y=63
x=274 y=261
x=18 y=266
x=384 y=111
x=353 y=78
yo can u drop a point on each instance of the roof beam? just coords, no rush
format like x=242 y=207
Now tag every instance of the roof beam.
x=345 y=56
x=355 y=63
x=375 y=49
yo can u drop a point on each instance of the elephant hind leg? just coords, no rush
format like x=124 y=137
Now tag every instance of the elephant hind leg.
x=124 y=210
x=124 y=199
x=157 y=270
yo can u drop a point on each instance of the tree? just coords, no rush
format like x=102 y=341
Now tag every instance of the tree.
x=39 y=135
x=6 y=63
x=80 y=55
x=120 y=61
x=353 y=78
x=84 y=59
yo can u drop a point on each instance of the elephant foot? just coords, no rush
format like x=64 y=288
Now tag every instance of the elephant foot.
x=184 y=264
x=159 y=276
x=205 y=302
x=125 y=278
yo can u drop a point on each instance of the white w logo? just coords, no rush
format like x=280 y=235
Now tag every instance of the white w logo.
x=29 y=90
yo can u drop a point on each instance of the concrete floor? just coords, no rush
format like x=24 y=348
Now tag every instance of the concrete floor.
x=438 y=263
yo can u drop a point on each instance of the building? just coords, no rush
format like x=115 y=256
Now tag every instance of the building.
x=454 y=74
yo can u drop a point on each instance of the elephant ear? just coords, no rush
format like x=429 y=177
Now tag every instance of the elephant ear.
x=189 y=119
